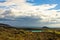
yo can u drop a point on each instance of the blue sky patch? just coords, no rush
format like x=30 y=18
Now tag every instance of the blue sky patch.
x=40 y=2
x=1 y=1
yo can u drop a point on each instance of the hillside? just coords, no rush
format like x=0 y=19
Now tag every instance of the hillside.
x=10 y=33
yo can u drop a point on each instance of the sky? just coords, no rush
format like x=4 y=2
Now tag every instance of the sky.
x=30 y=13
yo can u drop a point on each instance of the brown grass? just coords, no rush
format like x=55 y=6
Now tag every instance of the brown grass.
x=21 y=34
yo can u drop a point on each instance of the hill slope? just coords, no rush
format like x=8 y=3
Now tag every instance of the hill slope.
x=11 y=33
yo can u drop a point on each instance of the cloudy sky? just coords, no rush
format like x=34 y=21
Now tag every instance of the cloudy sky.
x=31 y=13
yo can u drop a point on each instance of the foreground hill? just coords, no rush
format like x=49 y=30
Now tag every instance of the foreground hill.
x=10 y=33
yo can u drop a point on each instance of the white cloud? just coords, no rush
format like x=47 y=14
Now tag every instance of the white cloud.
x=19 y=8
x=54 y=25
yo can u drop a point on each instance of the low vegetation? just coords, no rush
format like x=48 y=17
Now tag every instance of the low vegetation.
x=10 y=33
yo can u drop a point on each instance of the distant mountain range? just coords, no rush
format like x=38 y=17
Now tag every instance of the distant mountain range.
x=4 y=25
x=21 y=27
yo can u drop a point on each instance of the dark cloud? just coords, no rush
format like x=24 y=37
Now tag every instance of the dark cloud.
x=23 y=21
x=3 y=19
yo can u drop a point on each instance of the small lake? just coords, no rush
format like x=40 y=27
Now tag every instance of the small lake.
x=36 y=30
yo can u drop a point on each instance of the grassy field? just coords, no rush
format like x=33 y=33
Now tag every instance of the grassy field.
x=9 y=33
